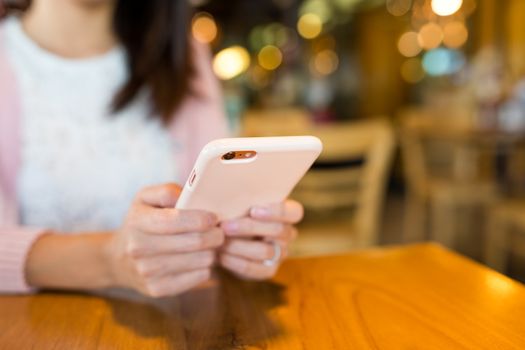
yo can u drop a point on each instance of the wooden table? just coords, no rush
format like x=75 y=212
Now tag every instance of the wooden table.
x=415 y=297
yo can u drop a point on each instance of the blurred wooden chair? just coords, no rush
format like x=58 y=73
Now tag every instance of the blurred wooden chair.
x=506 y=227
x=505 y=233
x=445 y=172
x=344 y=192
x=275 y=122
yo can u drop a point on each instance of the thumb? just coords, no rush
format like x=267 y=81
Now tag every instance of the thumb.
x=161 y=196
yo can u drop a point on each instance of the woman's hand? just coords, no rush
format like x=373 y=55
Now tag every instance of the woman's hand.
x=255 y=245
x=160 y=250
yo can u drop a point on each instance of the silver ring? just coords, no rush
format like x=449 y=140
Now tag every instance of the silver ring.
x=276 y=255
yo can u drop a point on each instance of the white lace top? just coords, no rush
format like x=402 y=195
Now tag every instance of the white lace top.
x=81 y=164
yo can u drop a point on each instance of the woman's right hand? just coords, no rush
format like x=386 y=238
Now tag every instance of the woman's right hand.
x=160 y=250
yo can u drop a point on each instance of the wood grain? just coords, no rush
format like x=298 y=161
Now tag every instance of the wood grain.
x=415 y=297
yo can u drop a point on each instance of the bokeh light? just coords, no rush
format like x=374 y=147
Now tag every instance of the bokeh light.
x=275 y=34
x=255 y=38
x=204 y=28
x=324 y=62
x=408 y=44
x=231 y=62
x=281 y=35
x=321 y=8
x=430 y=36
x=455 y=34
x=412 y=70
x=309 y=26
x=443 y=61
x=421 y=13
x=270 y=57
x=446 y=7
x=398 y=7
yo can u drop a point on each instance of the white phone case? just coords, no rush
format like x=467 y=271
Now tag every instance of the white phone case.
x=229 y=188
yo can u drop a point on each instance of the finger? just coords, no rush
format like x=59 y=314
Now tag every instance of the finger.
x=293 y=233
x=166 y=221
x=289 y=211
x=246 y=268
x=175 y=284
x=288 y=234
x=163 y=265
x=248 y=227
x=252 y=250
x=143 y=245
x=161 y=196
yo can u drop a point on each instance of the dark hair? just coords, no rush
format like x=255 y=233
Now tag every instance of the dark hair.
x=154 y=34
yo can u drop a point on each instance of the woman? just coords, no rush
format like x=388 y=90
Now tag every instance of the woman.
x=99 y=100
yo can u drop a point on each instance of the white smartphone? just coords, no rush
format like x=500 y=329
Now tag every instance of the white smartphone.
x=232 y=175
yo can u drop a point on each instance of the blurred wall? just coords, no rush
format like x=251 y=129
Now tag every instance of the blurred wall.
x=514 y=22
x=382 y=90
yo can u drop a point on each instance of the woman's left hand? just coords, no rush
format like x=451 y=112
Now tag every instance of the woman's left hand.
x=256 y=244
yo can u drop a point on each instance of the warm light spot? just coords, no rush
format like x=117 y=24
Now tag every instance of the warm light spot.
x=309 y=26
x=446 y=7
x=421 y=13
x=204 y=28
x=408 y=44
x=430 y=36
x=500 y=285
x=325 y=62
x=270 y=57
x=455 y=34
x=398 y=7
x=412 y=70
x=231 y=62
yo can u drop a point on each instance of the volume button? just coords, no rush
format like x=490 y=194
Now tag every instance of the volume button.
x=192 y=178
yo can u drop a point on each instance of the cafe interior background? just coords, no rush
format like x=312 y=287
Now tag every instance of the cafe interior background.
x=420 y=105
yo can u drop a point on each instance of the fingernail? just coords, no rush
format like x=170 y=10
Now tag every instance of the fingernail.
x=230 y=226
x=260 y=212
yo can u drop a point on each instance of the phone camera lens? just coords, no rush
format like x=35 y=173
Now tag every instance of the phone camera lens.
x=228 y=156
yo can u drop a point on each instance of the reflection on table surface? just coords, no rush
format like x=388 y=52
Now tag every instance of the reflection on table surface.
x=403 y=298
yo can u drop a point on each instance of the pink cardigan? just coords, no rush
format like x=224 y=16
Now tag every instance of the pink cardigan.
x=199 y=119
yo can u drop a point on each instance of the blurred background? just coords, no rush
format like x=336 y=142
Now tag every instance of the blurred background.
x=420 y=105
